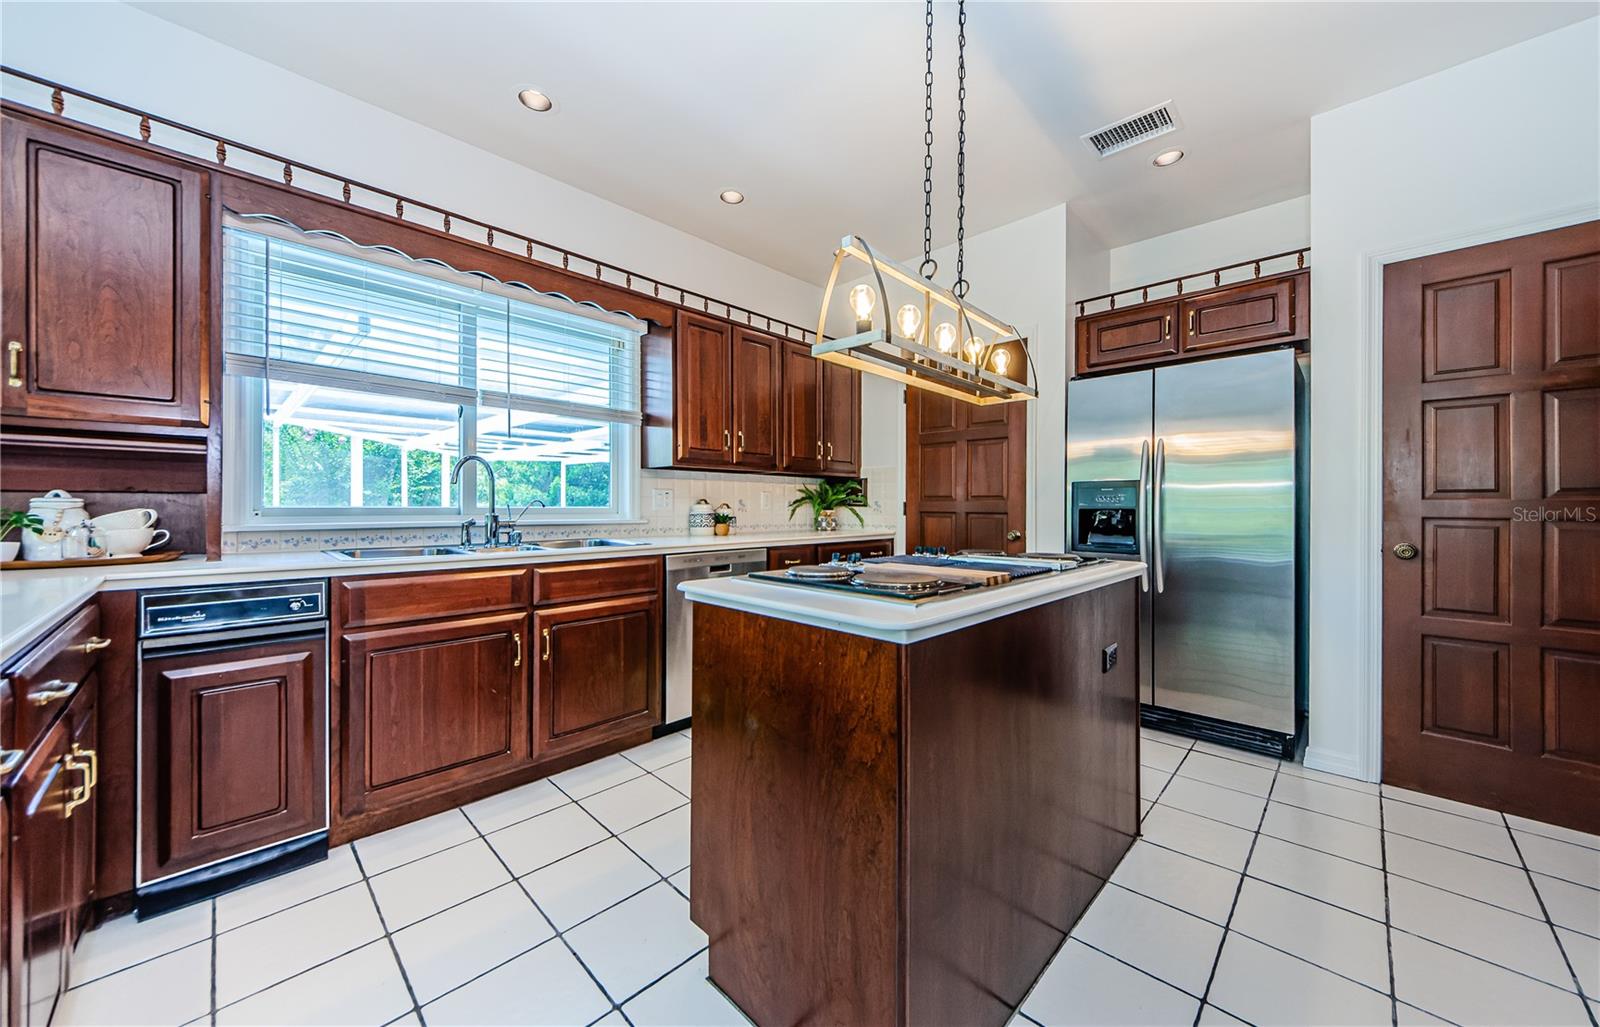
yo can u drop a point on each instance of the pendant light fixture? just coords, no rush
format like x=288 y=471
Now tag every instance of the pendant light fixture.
x=918 y=332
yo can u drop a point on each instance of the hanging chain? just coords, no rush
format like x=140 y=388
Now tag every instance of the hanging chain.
x=960 y=285
x=930 y=267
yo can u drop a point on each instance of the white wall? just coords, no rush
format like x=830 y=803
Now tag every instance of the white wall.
x=1274 y=228
x=120 y=52
x=1498 y=147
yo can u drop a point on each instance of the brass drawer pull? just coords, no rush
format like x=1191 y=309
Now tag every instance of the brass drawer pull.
x=1166 y=327
x=819 y=449
x=790 y=563
x=546 y=635
x=94 y=763
x=52 y=691
x=93 y=645
x=830 y=451
x=82 y=792
x=741 y=440
x=10 y=759
x=1191 y=322
x=516 y=637
x=14 y=364
x=727 y=440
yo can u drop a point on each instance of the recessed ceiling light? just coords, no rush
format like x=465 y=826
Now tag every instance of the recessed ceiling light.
x=732 y=196
x=535 y=100
x=1167 y=158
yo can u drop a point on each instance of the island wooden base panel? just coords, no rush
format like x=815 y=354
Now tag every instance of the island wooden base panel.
x=904 y=834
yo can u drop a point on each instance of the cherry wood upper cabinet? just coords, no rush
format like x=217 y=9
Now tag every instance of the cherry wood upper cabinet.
x=598 y=671
x=841 y=419
x=234 y=752
x=105 y=255
x=702 y=390
x=1263 y=312
x=802 y=450
x=429 y=707
x=757 y=390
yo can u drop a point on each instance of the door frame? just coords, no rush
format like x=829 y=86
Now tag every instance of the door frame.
x=1367 y=764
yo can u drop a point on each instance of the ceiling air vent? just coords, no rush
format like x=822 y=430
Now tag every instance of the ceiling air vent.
x=1147 y=124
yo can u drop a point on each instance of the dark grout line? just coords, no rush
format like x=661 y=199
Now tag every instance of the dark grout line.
x=394 y=951
x=213 y=962
x=1238 y=889
x=1388 y=917
x=1577 y=982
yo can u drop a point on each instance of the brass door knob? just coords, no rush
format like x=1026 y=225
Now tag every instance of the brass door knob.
x=1013 y=535
x=1405 y=550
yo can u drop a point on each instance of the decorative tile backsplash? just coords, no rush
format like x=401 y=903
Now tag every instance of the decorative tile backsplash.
x=760 y=504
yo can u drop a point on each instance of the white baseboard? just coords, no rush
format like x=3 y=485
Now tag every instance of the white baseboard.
x=1342 y=763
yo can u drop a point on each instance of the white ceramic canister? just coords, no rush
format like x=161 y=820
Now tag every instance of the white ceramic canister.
x=60 y=511
x=700 y=519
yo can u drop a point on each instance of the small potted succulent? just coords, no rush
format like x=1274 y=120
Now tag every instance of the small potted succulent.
x=722 y=521
x=825 y=498
x=12 y=520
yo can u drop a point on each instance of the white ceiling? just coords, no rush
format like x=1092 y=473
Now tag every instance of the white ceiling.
x=814 y=110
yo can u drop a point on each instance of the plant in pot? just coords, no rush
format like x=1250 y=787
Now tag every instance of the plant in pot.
x=722 y=521
x=825 y=498
x=12 y=520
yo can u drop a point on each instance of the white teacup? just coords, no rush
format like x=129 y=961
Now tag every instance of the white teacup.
x=119 y=519
x=131 y=541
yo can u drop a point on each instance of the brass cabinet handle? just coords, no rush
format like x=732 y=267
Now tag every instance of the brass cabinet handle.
x=830 y=451
x=52 y=691
x=727 y=440
x=81 y=793
x=93 y=645
x=516 y=636
x=1191 y=322
x=94 y=763
x=819 y=449
x=741 y=440
x=10 y=759
x=14 y=364
x=1166 y=327
x=790 y=563
x=546 y=634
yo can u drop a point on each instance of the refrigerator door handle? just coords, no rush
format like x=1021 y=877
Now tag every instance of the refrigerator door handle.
x=1141 y=514
x=1158 y=557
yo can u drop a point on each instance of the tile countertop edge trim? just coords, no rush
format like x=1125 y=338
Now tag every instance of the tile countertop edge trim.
x=901 y=623
x=34 y=601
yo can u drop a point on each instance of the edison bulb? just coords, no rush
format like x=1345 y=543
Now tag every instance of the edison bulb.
x=909 y=320
x=862 y=300
x=1000 y=361
x=944 y=336
x=972 y=349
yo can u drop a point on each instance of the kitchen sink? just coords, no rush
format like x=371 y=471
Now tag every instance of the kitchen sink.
x=390 y=552
x=583 y=543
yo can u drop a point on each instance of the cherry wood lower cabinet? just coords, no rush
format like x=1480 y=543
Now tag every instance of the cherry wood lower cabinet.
x=427 y=707
x=234 y=751
x=598 y=674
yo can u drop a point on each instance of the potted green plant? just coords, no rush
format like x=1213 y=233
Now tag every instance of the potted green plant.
x=11 y=520
x=722 y=521
x=825 y=498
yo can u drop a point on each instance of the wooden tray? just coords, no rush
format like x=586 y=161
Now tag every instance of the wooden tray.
x=103 y=561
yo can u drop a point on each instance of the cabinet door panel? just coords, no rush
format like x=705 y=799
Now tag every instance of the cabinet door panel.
x=599 y=671
x=1251 y=314
x=1124 y=336
x=234 y=752
x=757 y=373
x=428 y=706
x=801 y=449
x=84 y=718
x=41 y=877
x=105 y=266
x=701 y=379
x=841 y=419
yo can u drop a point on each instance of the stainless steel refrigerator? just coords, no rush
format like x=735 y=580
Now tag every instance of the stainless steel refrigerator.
x=1212 y=457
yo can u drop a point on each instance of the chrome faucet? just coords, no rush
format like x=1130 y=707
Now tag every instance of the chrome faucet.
x=491 y=521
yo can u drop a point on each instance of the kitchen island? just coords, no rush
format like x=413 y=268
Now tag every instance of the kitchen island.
x=901 y=809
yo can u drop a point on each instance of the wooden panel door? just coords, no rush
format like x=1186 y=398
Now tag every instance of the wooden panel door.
x=966 y=473
x=598 y=673
x=426 y=707
x=234 y=745
x=106 y=265
x=42 y=873
x=1119 y=337
x=1253 y=314
x=801 y=450
x=1491 y=584
x=702 y=384
x=841 y=419
x=757 y=385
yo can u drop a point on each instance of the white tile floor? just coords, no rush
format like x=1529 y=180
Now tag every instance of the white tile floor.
x=1261 y=892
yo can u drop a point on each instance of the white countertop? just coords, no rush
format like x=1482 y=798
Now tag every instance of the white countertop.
x=901 y=622
x=32 y=601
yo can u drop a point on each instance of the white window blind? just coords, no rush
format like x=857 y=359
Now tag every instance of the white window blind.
x=337 y=316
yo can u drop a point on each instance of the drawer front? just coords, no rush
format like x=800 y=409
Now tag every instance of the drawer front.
x=781 y=557
x=44 y=680
x=570 y=582
x=880 y=547
x=398 y=598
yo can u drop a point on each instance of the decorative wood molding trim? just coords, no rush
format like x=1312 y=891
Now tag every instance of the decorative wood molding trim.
x=1215 y=273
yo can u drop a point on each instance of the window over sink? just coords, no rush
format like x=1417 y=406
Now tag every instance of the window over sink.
x=357 y=376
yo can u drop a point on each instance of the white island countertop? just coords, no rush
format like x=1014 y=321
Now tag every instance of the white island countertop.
x=892 y=620
x=33 y=601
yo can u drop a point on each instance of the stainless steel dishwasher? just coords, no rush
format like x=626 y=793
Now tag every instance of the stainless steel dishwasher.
x=680 y=618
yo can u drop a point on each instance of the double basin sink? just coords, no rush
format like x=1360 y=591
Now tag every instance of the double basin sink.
x=548 y=545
